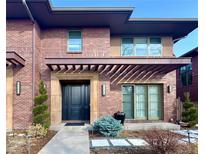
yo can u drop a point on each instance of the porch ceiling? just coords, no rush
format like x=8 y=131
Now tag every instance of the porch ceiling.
x=12 y=58
x=118 y=69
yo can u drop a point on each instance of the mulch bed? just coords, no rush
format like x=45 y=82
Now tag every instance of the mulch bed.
x=123 y=134
x=19 y=144
x=121 y=150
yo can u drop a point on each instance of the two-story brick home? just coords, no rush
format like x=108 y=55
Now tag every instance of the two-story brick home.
x=94 y=61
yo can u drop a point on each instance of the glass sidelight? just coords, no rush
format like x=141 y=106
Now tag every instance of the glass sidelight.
x=128 y=101
x=154 y=102
x=142 y=102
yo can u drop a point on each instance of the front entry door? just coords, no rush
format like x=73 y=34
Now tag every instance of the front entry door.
x=75 y=102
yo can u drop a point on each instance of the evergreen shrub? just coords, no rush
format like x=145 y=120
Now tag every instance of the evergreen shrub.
x=40 y=110
x=108 y=126
x=189 y=114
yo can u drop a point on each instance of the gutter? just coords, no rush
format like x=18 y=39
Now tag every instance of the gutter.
x=33 y=46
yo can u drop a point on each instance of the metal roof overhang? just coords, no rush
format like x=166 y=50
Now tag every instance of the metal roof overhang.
x=116 y=18
x=13 y=59
x=118 y=69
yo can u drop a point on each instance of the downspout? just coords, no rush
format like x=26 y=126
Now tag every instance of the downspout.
x=33 y=46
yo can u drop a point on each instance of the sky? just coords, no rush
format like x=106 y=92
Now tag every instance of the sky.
x=149 y=9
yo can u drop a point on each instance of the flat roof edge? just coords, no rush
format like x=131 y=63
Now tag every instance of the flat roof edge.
x=163 y=19
x=92 y=8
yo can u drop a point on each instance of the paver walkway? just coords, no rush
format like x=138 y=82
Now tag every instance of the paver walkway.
x=95 y=143
x=69 y=140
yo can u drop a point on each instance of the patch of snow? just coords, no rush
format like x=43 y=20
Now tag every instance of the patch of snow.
x=100 y=143
x=138 y=142
x=119 y=142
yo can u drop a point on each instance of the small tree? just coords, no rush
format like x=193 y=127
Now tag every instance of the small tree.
x=189 y=114
x=40 y=110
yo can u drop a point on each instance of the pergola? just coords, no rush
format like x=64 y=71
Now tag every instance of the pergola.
x=13 y=59
x=117 y=69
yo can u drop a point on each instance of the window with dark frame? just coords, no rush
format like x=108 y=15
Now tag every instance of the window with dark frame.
x=186 y=75
x=74 y=41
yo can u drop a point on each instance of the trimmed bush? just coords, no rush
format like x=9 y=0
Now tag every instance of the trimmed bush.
x=108 y=126
x=189 y=114
x=40 y=110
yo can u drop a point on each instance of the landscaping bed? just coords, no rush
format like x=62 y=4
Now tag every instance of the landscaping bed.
x=17 y=142
x=126 y=134
x=123 y=134
x=185 y=149
x=121 y=150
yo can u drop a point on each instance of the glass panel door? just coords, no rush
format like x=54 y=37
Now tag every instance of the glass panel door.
x=141 y=102
x=154 y=102
x=128 y=101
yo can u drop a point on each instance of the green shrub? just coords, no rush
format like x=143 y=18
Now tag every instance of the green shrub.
x=37 y=131
x=108 y=126
x=189 y=114
x=40 y=110
x=38 y=100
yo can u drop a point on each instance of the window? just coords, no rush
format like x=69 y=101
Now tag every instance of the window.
x=155 y=47
x=127 y=47
x=143 y=102
x=186 y=75
x=74 y=41
x=128 y=101
x=141 y=46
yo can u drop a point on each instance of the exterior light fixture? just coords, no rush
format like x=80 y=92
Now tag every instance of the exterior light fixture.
x=169 y=88
x=103 y=89
x=18 y=88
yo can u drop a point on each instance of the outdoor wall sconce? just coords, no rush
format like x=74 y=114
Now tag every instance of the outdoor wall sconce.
x=169 y=88
x=103 y=89
x=18 y=88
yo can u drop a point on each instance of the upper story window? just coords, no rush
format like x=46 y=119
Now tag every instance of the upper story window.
x=127 y=47
x=141 y=46
x=74 y=41
x=186 y=75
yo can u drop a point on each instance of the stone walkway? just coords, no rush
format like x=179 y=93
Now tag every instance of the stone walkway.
x=94 y=143
x=69 y=140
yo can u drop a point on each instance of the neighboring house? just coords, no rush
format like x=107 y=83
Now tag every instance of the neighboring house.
x=187 y=77
x=94 y=61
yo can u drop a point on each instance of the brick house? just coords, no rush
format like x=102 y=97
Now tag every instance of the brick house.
x=187 y=77
x=94 y=61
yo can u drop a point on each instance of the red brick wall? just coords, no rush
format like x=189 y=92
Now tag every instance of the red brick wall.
x=96 y=42
x=19 y=39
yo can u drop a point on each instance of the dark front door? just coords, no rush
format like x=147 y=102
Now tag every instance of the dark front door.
x=75 y=101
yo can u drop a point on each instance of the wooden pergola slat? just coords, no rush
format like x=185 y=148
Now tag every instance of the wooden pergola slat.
x=15 y=59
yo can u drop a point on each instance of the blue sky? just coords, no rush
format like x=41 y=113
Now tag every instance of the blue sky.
x=150 y=9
